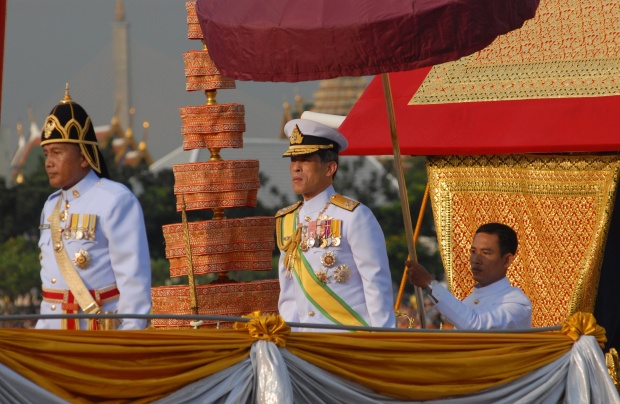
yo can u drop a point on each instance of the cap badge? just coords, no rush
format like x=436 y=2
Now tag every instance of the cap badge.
x=49 y=127
x=296 y=136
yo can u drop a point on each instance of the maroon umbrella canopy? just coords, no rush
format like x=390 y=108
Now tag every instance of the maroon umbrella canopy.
x=299 y=40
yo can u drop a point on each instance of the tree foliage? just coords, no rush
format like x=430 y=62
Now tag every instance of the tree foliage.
x=20 y=205
x=20 y=267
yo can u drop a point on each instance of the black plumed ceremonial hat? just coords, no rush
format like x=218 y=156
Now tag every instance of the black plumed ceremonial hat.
x=68 y=122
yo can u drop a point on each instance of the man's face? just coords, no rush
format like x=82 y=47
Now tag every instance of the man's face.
x=309 y=176
x=487 y=263
x=64 y=164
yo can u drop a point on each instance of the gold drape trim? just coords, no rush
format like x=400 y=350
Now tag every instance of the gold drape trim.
x=584 y=324
x=429 y=366
x=143 y=366
x=120 y=366
x=271 y=327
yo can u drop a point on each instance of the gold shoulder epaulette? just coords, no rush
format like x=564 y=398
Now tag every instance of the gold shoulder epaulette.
x=344 y=202
x=288 y=209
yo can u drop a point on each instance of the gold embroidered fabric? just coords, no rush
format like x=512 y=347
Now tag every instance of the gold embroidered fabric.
x=204 y=174
x=560 y=207
x=214 y=200
x=216 y=184
x=213 y=126
x=244 y=244
x=193 y=25
x=231 y=140
x=202 y=74
x=570 y=49
x=227 y=299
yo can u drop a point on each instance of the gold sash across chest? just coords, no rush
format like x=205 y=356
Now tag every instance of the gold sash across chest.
x=321 y=296
x=73 y=279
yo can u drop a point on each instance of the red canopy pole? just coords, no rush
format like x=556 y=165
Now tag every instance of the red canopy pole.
x=402 y=189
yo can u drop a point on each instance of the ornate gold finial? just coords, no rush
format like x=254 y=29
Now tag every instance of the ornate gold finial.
x=67 y=97
x=211 y=97
x=142 y=145
x=119 y=12
x=129 y=130
x=215 y=154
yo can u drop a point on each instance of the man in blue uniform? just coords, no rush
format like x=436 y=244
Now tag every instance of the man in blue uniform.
x=333 y=266
x=494 y=303
x=94 y=251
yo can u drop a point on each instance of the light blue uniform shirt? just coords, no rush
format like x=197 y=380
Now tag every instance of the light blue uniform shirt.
x=119 y=250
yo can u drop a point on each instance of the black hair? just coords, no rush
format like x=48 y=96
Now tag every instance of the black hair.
x=329 y=155
x=507 y=236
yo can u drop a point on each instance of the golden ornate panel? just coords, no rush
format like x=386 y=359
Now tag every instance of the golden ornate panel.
x=560 y=207
x=570 y=49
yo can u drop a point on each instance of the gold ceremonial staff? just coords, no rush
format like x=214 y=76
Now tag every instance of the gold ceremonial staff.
x=416 y=234
x=190 y=263
x=402 y=188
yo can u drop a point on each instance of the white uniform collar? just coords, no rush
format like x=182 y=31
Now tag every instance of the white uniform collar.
x=81 y=187
x=318 y=202
x=493 y=288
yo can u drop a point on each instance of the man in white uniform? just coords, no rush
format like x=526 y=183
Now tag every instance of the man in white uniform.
x=94 y=251
x=494 y=303
x=333 y=265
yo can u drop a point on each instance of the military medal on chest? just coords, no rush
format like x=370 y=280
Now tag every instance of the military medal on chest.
x=312 y=233
x=65 y=213
x=81 y=226
x=303 y=244
x=82 y=259
x=328 y=232
x=322 y=275
x=342 y=273
x=58 y=245
x=324 y=232
x=311 y=241
x=328 y=259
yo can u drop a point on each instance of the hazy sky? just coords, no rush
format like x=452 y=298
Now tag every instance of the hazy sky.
x=51 y=42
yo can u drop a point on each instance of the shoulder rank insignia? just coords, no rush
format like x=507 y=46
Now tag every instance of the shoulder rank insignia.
x=344 y=202
x=287 y=209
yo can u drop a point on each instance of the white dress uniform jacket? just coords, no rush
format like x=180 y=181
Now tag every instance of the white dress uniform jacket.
x=498 y=306
x=363 y=250
x=119 y=249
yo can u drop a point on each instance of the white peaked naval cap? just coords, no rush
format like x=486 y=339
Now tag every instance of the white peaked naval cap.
x=307 y=136
x=333 y=121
